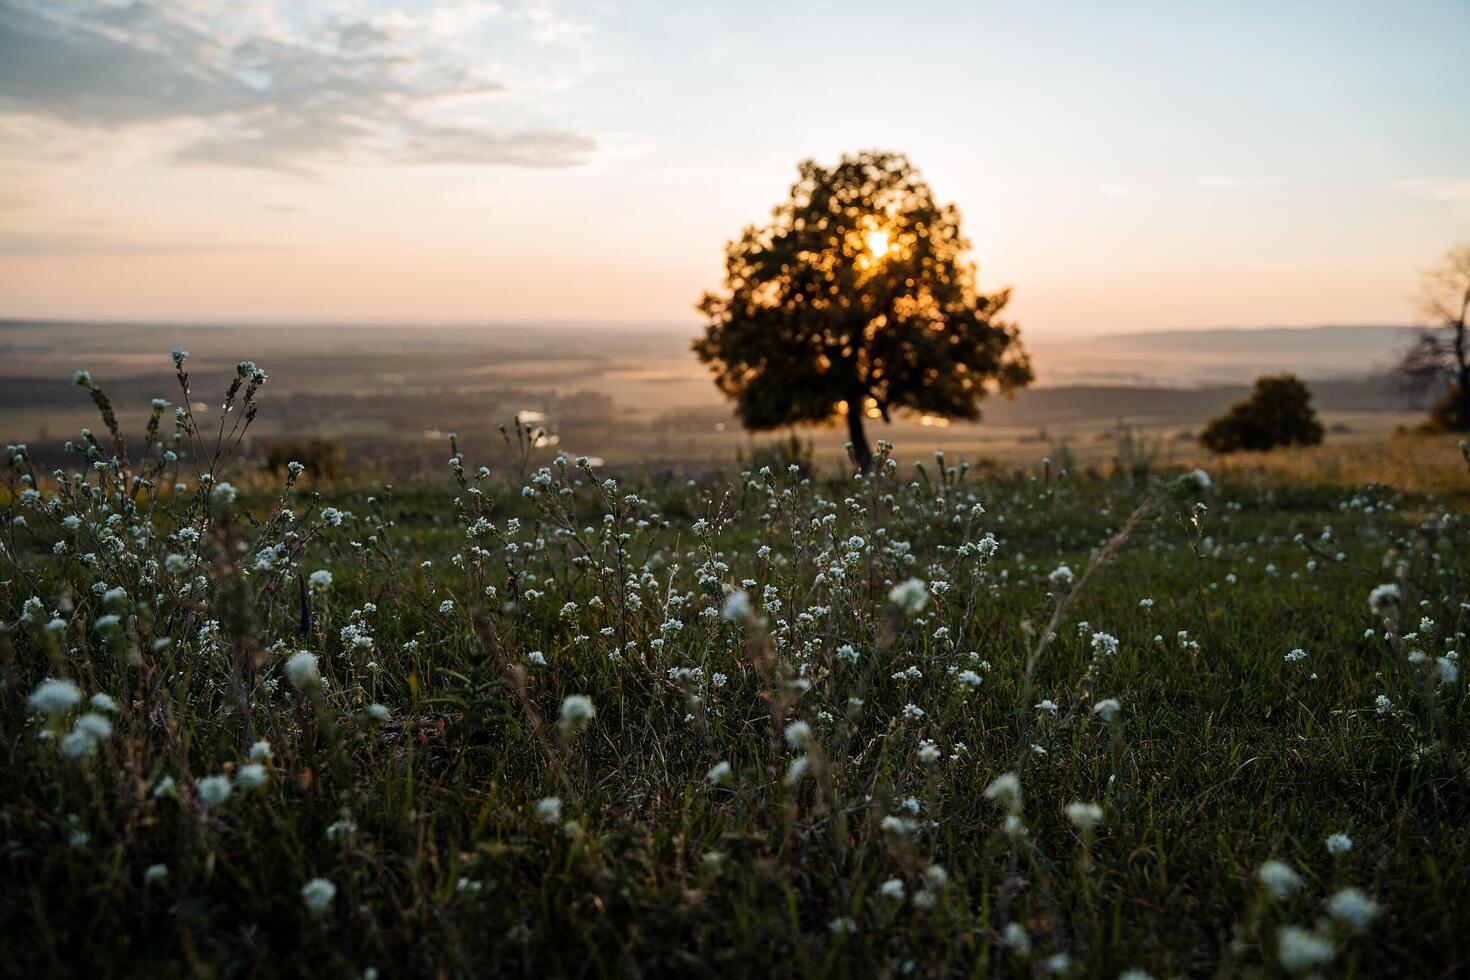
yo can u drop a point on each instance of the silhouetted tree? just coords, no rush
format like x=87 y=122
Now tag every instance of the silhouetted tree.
x=857 y=300
x=1278 y=413
x=1439 y=354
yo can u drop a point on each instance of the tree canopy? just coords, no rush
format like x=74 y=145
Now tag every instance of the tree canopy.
x=1278 y=413
x=857 y=300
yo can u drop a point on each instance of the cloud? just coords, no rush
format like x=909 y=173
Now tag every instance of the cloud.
x=547 y=27
x=1434 y=189
x=264 y=97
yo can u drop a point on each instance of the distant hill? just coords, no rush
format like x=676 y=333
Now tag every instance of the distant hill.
x=1194 y=358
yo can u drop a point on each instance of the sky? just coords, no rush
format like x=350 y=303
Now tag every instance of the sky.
x=1123 y=166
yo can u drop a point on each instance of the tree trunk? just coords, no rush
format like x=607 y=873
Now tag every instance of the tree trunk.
x=855 y=434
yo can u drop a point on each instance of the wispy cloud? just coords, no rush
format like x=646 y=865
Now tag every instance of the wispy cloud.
x=1436 y=189
x=269 y=97
x=548 y=27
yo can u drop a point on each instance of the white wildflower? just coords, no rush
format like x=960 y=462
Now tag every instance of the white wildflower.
x=214 y=790
x=53 y=696
x=576 y=713
x=1300 y=950
x=1280 y=879
x=302 y=671
x=1353 y=907
x=318 y=894
x=548 y=809
x=910 y=595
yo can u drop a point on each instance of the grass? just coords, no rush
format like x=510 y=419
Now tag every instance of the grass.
x=875 y=841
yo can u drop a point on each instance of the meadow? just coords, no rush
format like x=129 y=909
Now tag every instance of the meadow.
x=538 y=719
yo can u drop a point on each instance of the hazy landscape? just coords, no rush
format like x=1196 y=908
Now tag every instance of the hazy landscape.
x=389 y=394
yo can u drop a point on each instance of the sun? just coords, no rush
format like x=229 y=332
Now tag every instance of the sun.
x=877 y=242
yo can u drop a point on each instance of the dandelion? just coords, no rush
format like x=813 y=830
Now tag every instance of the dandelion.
x=214 y=790
x=103 y=702
x=718 y=773
x=302 y=671
x=1300 y=950
x=1353 y=907
x=1280 y=879
x=155 y=874
x=378 y=713
x=54 y=697
x=1339 y=844
x=892 y=888
x=1107 y=709
x=910 y=595
x=576 y=714
x=261 y=751
x=548 y=809
x=318 y=894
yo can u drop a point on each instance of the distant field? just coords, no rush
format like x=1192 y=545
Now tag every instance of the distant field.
x=389 y=395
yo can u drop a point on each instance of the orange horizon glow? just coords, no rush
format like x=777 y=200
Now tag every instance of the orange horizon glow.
x=585 y=167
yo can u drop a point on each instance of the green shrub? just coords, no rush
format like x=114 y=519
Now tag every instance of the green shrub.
x=1278 y=413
